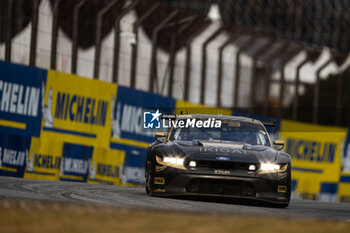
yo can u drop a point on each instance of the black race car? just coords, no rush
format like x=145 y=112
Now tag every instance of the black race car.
x=235 y=160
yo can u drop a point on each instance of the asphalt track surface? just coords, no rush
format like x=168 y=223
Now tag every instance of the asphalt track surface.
x=136 y=198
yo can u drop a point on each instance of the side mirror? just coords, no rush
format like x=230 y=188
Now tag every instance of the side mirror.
x=158 y=135
x=279 y=142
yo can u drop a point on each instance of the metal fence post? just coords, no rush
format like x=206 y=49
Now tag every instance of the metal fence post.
x=285 y=59
x=317 y=90
x=117 y=39
x=230 y=40
x=134 y=50
x=76 y=35
x=98 y=38
x=204 y=62
x=172 y=56
x=54 y=35
x=270 y=60
x=170 y=66
x=296 y=88
x=33 y=38
x=188 y=60
x=339 y=96
x=246 y=45
x=153 y=67
x=8 y=42
x=255 y=57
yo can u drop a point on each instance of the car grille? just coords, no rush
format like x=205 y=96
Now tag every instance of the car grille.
x=224 y=165
x=221 y=187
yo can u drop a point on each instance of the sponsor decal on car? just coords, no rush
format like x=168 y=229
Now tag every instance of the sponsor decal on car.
x=221 y=150
x=222 y=158
x=282 y=188
x=159 y=180
x=222 y=172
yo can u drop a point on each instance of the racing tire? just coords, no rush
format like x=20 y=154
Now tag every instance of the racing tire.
x=149 y=177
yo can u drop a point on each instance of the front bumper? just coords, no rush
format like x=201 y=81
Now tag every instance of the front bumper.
x=268 y=187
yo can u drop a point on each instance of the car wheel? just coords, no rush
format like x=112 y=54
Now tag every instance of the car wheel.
x=289 y=184
x=149 y=178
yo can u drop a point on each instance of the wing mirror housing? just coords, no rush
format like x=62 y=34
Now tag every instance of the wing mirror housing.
x=159 y=135
x=279 y=143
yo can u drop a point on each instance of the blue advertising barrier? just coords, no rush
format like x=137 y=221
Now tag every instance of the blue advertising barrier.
x=134 y=165
x=14 y=151
x=76 y=162
x=21 y=91
x=128 y=133
x=127 y=114
x=328 y=192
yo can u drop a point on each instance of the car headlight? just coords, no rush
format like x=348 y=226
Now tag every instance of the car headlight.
x=272 y=167
x=171 y=161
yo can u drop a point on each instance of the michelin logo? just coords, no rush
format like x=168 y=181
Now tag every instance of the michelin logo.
x=82 y=109
x=151 y=120
x=19 y=99
x=12 y=157
x=127 y=118
x=314 y=151
x=104 y=170
x=42 y=161
x=77 y=166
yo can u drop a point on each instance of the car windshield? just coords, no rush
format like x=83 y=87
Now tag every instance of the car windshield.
x=230 y=131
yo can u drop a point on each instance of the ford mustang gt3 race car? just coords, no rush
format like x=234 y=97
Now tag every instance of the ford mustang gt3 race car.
x=235 y=160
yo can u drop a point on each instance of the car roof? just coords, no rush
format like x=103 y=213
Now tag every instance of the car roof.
x=221 y=117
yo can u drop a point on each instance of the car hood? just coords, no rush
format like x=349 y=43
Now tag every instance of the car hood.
x=233 y=151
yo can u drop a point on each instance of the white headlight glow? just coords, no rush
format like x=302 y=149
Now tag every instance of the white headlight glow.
x=166 y=159
x=180 y=161
x=192 y=164
x=252 y=167
x=173 y=161
x=270 y=167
